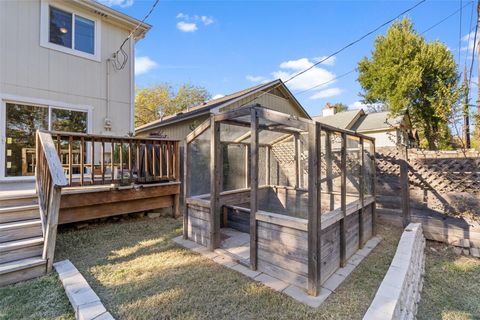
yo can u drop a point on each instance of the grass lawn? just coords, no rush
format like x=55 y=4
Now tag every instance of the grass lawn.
x=42 y=298
x=452 y=285
x=139 y=273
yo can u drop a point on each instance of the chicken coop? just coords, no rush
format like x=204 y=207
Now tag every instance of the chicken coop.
x=284 y=195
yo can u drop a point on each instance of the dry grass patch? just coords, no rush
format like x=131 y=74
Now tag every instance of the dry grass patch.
x=42 y=298
x=139 y=273
x=452 y=285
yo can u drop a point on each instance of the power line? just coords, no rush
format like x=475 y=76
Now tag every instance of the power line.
x=340 y=50
x=116 y=62
x=354 y=42
x=460 y=33
x=469 y=31
x=473 y=52
x=446 y=18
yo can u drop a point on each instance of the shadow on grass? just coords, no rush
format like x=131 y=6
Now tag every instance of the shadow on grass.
x=452 y=285
x=139 y=273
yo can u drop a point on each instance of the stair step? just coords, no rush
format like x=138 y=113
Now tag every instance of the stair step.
x=19 y=199
x=21 y=249
x=21 y=270
x=19 y=213
x=17 y=230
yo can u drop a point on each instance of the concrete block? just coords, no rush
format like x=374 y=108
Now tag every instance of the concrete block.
x=105 y=316
x=302 y=296
x=475 y=252
x=225 y=261
x=65 y=269
x=153 y=215
x=355 y=259
x=345 y=271
x=90 y=311
x=333 y=282
x=82 y=296
x=271 y=282
x=245 y=271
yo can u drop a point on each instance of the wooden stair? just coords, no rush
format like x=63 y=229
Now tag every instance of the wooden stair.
x=21 y=240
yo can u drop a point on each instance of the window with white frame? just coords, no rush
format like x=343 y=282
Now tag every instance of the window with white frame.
x=71 y=30
x=67 y=31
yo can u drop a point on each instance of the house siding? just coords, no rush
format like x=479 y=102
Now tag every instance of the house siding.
x=28 y=70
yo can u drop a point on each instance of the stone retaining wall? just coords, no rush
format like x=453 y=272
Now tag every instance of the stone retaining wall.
x=399 y=293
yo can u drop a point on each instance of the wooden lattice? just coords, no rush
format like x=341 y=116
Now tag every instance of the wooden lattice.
x=449 y=174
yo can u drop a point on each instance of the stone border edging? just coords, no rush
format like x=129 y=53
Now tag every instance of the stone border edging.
x=295 y=292
x=399 y=293
x=84 y=300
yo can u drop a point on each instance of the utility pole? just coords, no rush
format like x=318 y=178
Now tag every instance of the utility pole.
x=466 y=109
x=476 y=132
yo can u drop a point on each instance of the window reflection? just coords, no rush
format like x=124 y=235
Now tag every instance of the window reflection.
x=60 y=27
x=84 y=34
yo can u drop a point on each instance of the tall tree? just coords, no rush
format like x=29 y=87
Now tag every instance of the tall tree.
x=155 y=102
x=339 y=106
x=406 y=72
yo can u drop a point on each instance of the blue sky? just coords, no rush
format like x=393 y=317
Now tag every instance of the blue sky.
x=226 y=46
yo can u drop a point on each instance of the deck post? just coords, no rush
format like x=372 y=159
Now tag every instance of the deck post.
x=253 y=188
x=215 y=184
x=268 y=151
x=361 y=182
x=314 y=209
x=186 y=191
x=404 y=186
x=51 y=226
x=343 y=192
x=176 y=197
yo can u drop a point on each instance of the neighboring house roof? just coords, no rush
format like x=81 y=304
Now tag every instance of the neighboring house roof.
x=341 y=120
x=377 y=121
x=207 y=107
x=115 y=16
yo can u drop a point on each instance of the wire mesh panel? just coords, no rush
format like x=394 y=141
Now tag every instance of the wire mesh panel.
x=199 y=164
x=369 y=166
x=353 y=166
x=235 y=162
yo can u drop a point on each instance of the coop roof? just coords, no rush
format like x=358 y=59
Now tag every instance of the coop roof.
x=208 y=106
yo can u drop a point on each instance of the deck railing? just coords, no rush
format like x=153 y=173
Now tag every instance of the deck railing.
x=89 y=159
x=49 y=179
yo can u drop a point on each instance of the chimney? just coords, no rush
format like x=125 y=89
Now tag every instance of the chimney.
x=329 y=110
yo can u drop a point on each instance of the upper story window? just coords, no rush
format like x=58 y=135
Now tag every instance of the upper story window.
x=72 y=31
x=67 y=31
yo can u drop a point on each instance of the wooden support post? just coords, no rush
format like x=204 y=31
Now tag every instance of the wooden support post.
x=247 y=167
x=92 y=156
x=374 y=191
x=297 y=161
x=343 y=192
x=176 y=157
x=253 y=188
x=70 y=160
x=51 y=227
x=268 y=151
x=361 y=182
x=186 y=190
x=314 y=209
x=404 y=186
x=121 y=161
x=215 y=184
x=329 y=168
x=102 y=161
x=82 y=160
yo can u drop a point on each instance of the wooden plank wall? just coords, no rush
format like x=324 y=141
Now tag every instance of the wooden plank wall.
x=198 y=225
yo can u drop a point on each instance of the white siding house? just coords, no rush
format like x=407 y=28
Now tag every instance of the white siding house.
x=57 y=73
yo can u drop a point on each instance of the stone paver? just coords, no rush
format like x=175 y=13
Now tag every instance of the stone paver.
x=271 y=282
x=84 y=300
x=224 y=255
x=302 y=296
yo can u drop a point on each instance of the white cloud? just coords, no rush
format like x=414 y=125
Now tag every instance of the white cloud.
x=255 y=78
x=206 y=20
x=218 y=96
x=357 y=105
x=329 y=62
x=467 y=41
x=307 y=80
x=144 y=65
x=327 y=93
x=120 y=3
x=189 y=23
x=187 y=26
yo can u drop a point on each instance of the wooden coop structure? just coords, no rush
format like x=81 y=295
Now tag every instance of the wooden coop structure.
x=301 y=190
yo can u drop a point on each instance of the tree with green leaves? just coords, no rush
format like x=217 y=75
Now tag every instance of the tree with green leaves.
x=155 y=102
x=339 y=106
x=405 y=72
